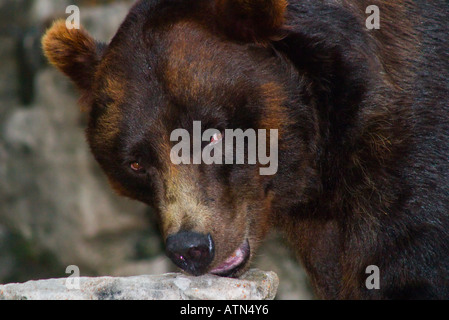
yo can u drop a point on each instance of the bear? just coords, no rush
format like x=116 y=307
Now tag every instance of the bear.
x=362 y=120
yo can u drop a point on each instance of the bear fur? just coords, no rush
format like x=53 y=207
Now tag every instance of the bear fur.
x=363 y=120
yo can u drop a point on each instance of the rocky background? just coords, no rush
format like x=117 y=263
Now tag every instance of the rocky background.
x=56 y=208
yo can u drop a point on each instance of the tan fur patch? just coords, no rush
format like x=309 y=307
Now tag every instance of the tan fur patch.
x=70 y=49
x=275 y=115
x=108 y=124
x=187 y=76
x=182 y=206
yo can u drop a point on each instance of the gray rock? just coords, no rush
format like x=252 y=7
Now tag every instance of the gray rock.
x=253 y=285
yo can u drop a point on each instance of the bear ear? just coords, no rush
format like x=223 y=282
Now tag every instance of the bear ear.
x=73 y=51
x=251 y=20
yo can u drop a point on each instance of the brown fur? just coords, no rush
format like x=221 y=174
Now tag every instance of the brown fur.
x=75 y=53
x=253 y=20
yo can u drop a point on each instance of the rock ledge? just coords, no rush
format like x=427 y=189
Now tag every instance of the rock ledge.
x=253 y=285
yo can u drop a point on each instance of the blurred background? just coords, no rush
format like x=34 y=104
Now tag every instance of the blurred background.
x=56 y=208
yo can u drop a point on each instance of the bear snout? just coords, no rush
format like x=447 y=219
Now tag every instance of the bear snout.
x=192 y=252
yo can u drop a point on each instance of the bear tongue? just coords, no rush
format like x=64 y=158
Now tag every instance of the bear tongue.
x=234 y=260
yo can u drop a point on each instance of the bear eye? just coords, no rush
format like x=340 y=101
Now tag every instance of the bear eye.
x=136 y=167
x=215 y=138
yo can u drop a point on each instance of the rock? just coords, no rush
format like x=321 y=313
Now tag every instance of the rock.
x=253 y=285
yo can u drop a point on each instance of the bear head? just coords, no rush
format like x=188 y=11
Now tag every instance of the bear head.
x=176 y=63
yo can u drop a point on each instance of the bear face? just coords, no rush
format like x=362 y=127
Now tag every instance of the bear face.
x=161 y=72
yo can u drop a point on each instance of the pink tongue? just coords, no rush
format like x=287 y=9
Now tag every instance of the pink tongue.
x=235 y=259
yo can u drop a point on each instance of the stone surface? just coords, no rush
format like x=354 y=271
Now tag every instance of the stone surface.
x=253 y=285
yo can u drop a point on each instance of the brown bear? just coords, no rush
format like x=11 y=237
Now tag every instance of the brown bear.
x=362 y=114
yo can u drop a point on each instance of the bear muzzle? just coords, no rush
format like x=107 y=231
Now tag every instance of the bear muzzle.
x=192 y=252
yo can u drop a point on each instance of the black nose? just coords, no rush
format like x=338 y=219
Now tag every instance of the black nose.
x=192 y=252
